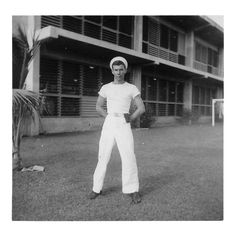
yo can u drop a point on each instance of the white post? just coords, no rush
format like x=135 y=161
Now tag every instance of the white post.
x=213 y=112
x=213 y=108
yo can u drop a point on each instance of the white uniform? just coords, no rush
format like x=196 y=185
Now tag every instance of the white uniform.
x=116 y=129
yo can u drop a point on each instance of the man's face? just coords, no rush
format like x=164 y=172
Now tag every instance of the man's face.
x=118 y=71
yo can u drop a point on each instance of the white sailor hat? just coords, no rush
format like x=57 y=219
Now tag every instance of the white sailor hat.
x=119 y=59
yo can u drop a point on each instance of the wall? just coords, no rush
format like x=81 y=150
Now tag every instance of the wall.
x=171 y=120
x=60 y=125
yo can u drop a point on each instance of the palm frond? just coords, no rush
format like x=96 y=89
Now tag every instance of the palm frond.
x=23 y=53
x=26 y=98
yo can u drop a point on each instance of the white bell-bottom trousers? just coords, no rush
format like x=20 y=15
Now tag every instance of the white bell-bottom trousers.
x=115 y=129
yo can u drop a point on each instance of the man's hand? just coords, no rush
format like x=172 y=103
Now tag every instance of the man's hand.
x=127 y=117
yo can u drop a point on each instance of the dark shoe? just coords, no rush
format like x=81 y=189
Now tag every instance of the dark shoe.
x=136 y=198
x=93 y=195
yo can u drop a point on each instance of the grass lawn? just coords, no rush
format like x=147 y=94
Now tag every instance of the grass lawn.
x=180 y=172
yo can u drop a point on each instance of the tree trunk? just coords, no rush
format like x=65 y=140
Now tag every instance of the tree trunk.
x=16 y=160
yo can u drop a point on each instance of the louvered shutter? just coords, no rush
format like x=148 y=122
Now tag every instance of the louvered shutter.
x=125 y=41
x=71 y=79
x=109 y=36
x=51 y=20
x=72 y=23
x=92 y=30
x=70 y=106
x=90 y=80
x=154 y=32
x=49 y=73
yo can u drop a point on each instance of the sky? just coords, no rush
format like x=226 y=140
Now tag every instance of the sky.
x=219 y=19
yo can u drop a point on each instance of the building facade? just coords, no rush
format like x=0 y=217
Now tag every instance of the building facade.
x=175 y=61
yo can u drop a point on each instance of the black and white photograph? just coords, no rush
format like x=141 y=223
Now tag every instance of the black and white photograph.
x=117 y=118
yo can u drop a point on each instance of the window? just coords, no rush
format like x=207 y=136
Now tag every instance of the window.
x=153 y=32
x=202 y=100
x=60 y=83
x=212 y=57
x=161 y=41
x=169 y=38
x=181 y=60
x=145 y=47
x=202 y=95
x=63 y=85
x=164 y=36
x=206 y=55
x=125 y=41
x=195 y=95
x=90 y=80
x=110 y=22
x=50 y=20
x=114 y=29
x=164 y=96
x=51 y=106
x=180 y=92
x=70 y=106
x=92 y=30
x=200 y=53
x=152 y=88
x=208 y=96
x=162 y=90
x=145 y=28
x=143 y=88
x=71 y=23
x=95 y=19
x=70 y=81
x=49 y=73
x=126 y=24
x=173 y=40
x=171 y=92
x=171 y=109
x=215 y=59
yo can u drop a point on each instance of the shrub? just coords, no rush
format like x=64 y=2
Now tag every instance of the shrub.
x=189 y=116
x=147 y=119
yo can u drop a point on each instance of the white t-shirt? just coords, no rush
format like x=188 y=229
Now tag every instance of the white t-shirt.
x=118 y=96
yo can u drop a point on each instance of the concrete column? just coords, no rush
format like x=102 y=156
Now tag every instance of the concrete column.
x=221 y=62
x=136 y=76
x=188 y=87
x=190 y=49
x=32 y=81
x=33 y=76
x=138 y=33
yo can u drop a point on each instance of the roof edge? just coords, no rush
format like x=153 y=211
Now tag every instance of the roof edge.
x=213 y=23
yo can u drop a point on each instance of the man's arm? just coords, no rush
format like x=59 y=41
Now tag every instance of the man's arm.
x=140 y=108
x=99 y=106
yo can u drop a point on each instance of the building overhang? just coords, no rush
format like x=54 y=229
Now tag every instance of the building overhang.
x=68 y=42
x=73 y=45
x=202 y=26
x=179 y=71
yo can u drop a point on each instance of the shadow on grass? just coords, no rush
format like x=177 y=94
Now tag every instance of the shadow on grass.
x=157 y=182
x=149 y=184
x=109 y=190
